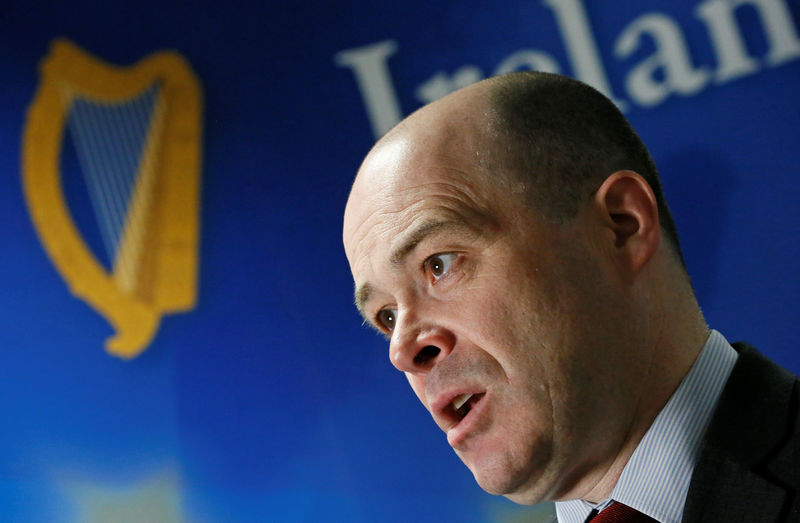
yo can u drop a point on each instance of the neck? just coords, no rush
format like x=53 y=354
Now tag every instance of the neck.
x=675 y=339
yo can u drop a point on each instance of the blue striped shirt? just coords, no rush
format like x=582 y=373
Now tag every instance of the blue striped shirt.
x=656 y=479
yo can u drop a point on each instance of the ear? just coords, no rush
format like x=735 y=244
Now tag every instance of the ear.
x=629 y=211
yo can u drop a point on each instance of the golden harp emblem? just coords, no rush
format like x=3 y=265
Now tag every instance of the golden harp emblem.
x=136 y=133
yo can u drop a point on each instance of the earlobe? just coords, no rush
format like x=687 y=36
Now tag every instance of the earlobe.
x=629 y=210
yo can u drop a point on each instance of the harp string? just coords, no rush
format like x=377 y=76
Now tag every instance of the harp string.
x=129 y=252
x=120 y=127
x=114 y=142
x=89 y=163
x=103 y=170
x=109 y=172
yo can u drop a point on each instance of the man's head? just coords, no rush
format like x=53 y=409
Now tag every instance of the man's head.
x=502 y=240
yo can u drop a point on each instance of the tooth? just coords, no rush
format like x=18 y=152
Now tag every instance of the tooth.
x=459 y=401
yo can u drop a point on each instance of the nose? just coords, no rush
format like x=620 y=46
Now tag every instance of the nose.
x=416 y=347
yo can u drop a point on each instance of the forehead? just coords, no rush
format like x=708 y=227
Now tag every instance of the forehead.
x=408 y=181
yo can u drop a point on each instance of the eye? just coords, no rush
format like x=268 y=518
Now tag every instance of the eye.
x=439 y=264
x=386 y=319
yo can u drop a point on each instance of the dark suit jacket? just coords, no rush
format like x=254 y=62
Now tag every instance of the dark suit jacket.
x=749 y=466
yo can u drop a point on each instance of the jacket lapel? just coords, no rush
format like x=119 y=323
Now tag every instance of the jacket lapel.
x=732 y=480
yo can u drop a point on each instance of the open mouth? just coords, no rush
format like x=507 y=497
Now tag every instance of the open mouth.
x=463 y=403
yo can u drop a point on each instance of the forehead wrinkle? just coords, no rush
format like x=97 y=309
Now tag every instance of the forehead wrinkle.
x=464 y=202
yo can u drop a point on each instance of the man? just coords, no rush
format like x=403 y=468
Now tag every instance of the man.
x=512 y=242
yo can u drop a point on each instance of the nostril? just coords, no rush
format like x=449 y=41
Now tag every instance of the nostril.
x=426 y=355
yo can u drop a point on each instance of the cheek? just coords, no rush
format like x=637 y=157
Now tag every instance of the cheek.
x=525 y=322
x=514 y=320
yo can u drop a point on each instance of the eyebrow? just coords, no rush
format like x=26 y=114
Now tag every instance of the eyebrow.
x=415 y=237
x=401 y=253
x=363 y=293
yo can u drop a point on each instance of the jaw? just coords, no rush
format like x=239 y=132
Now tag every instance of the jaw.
x=496 y=468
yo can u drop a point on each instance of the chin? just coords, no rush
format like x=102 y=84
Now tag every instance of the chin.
x=526 y=498
x=503 y=476
x=519 y=476
x=521 y=493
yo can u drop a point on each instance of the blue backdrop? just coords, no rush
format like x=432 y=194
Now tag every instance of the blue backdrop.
x=269 y=400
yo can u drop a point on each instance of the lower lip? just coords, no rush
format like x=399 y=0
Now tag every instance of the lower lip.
x=463 y=429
